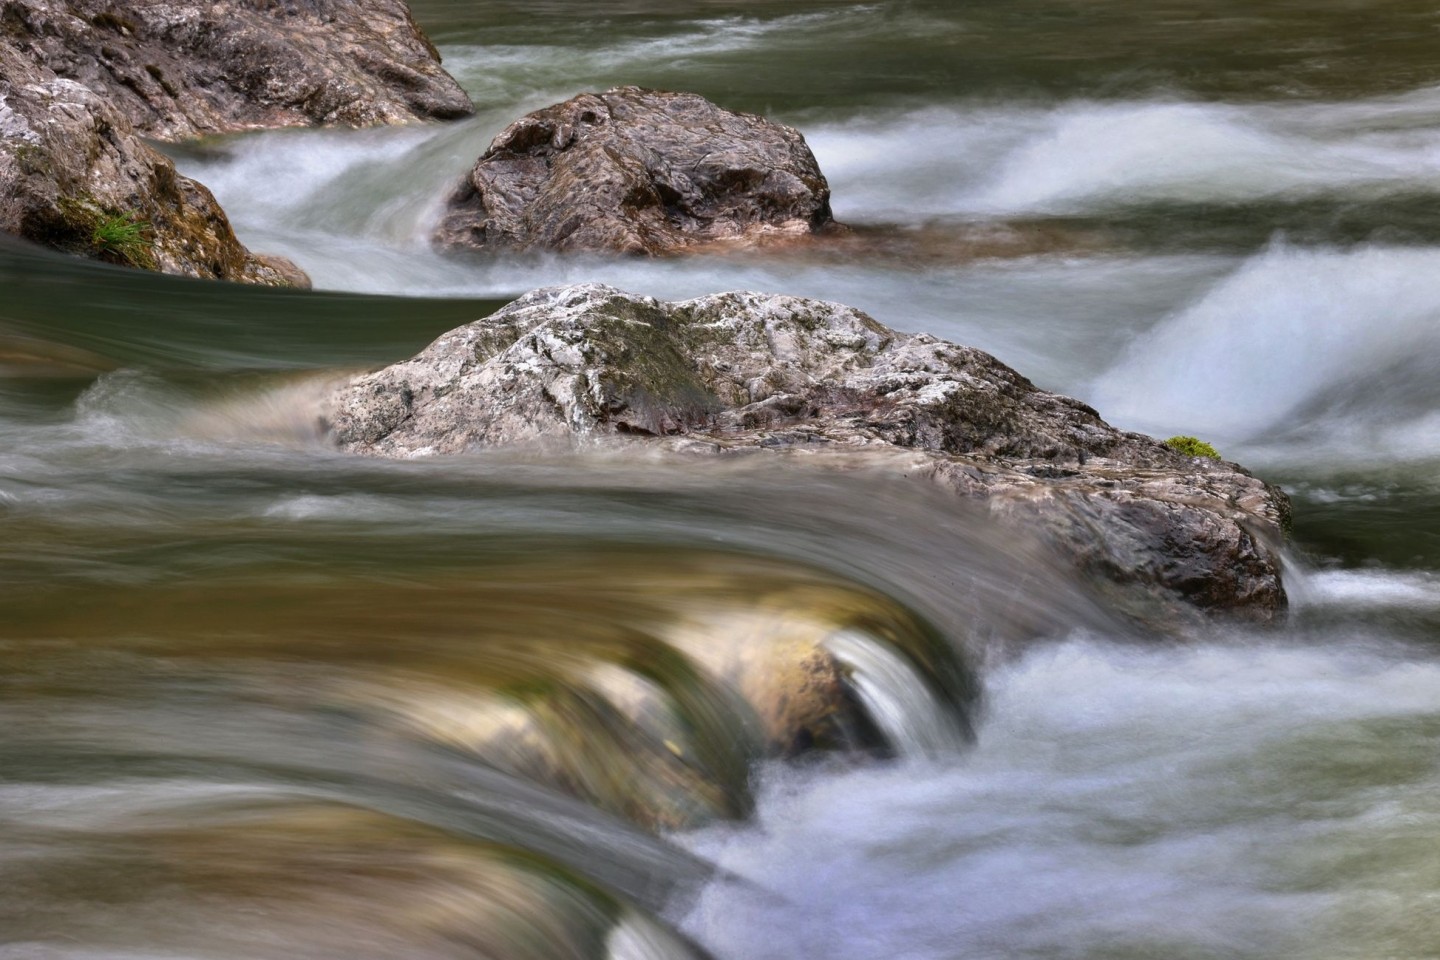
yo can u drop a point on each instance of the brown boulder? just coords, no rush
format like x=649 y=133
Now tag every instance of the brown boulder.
x=183 y=69
x=639 y=172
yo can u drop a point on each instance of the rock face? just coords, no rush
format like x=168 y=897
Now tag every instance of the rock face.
x=638 y=172
x=74 y=176
x=183 y=69
x=1166 y=534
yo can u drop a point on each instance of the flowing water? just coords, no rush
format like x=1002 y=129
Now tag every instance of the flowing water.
x=260 y=700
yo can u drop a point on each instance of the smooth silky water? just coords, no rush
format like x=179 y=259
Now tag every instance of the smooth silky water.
x=261 y=700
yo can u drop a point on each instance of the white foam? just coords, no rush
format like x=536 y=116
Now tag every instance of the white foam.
x=342 y=507
x=129 y=406
x=1121 y=802
x=637 y=937
x=328 y=186
x=1373 y=589
x=1286 y=329
x=1093 y=154
x=1086 y=156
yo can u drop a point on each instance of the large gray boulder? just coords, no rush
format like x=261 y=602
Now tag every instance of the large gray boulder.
x=75 y=176
x=178 y=69
x=1166 y=535
x=637 y=171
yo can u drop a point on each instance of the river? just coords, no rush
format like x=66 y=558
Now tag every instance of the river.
x=262 y=700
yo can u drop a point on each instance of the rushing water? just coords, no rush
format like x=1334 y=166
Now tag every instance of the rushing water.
x=259 y=700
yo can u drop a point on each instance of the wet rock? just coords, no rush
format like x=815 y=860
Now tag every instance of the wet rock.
x=184 y=69
x=76 y=177
x=1165 y=534
x=639 y=172
x=81 y=79
x=666 y=734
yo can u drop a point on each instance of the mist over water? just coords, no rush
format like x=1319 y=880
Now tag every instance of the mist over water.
x=259 y=700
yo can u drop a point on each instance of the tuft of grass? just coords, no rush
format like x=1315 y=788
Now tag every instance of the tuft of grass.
x=1191 y=447
x=126 y=238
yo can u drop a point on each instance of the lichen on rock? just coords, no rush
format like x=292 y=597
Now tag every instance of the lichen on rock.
x=1165 y=534
x=81 y=80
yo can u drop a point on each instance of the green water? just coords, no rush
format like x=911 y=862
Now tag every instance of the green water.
x=847 y=54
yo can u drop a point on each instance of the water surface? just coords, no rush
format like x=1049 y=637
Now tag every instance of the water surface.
x=258 y=699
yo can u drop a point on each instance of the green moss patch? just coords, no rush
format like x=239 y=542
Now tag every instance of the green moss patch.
x=1191 y=447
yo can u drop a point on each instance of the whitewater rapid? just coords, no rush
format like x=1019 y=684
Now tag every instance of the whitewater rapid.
x=1234 y=799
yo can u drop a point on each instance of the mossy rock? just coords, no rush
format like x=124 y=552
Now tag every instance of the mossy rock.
x=108 y=234
x=1192 y=447
x=123 y=237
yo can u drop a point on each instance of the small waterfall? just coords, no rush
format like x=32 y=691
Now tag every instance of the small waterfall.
x=897 y=697
x=637 y=937
x=1234 y=799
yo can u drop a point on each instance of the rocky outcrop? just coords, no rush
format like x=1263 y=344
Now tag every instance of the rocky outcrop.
x=1164 y=534
x=79 y=79
x=637 y=172
x=178 y=69
x=74 y=176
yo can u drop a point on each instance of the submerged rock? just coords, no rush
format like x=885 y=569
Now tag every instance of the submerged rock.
x=76 y=177
x=1165 y=534
x=640 y=172
x=183 y=69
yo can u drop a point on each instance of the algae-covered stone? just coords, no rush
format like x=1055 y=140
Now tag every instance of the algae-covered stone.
x=79 y=79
